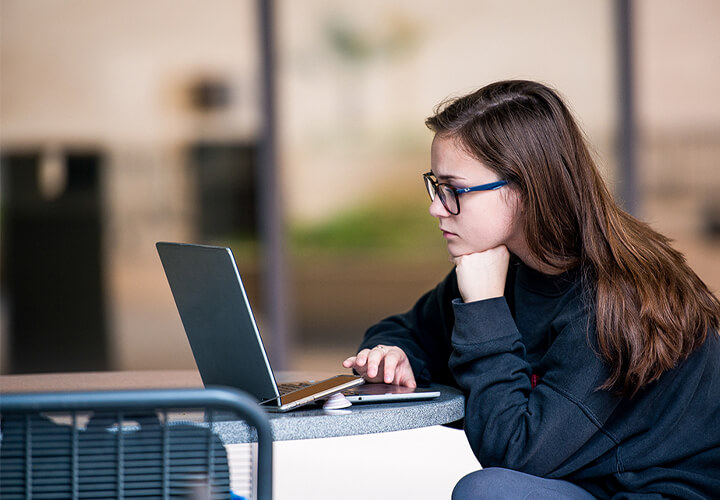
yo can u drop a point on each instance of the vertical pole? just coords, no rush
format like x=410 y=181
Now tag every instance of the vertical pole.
x=275 y=282
x=626 y=106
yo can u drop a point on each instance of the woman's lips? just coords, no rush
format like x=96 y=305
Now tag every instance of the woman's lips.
x=447 y=234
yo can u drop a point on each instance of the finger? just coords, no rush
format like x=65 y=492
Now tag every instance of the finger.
x=349 y=362
x=407 y=378
x=402 y=373
x=361 y=357
x=391 y=362
x=374 y=359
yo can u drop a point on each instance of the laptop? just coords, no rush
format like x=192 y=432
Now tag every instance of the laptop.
x=222 y=331
x=226 y=342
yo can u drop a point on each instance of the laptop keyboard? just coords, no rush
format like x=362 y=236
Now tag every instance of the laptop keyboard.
x=288 y=387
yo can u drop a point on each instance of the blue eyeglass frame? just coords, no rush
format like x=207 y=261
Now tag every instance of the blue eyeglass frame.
x=429 y=176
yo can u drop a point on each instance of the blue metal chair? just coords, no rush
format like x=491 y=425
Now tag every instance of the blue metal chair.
x=126 y=444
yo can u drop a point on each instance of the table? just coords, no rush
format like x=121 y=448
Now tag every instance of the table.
x=304 y=423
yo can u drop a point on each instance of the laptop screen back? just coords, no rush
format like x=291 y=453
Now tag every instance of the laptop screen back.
x=217 y=318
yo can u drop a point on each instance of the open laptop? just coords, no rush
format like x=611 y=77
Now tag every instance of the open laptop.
x=226 y=342
x=222 y=331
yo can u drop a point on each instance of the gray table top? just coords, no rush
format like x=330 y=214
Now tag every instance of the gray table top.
x=358 y=419
x=310 y=423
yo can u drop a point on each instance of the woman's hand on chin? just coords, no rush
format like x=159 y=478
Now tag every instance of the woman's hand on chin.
x=481 y=275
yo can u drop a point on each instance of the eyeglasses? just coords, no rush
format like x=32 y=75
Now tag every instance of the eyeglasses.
x=449 y=194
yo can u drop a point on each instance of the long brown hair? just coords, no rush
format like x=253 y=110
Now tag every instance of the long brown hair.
x=651 y=309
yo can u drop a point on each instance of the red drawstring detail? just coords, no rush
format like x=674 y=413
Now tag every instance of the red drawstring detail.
x=533 y=380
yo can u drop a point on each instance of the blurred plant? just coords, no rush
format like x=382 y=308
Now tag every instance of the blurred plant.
x=394 y=35
x=403 y=229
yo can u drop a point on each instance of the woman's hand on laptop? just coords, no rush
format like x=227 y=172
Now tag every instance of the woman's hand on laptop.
x=383 y=364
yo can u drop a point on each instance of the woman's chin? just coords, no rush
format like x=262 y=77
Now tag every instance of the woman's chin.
x=456 y=251
x=459 y=250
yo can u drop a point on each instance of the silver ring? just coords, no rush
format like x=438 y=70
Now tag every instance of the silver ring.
x=382 y=348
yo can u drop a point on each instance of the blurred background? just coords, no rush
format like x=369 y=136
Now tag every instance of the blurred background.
x=126 y=122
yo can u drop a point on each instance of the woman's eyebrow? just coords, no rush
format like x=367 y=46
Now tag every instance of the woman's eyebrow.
x=448 y=178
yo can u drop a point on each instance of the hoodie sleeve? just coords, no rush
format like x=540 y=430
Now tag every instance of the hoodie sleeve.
x=508 y=422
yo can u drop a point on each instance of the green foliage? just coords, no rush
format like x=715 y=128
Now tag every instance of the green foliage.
x=400 y=231
x=405 y=229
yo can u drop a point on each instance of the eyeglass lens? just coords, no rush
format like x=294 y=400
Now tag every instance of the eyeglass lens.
x=446 y=193
x=448 y=197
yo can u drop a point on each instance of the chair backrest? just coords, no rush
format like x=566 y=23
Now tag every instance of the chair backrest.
x=127 y=444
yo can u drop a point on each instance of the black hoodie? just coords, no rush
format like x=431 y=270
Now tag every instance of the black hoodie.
x=529 y=367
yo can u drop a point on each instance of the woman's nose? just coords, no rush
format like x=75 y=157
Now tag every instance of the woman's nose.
x=437 y=209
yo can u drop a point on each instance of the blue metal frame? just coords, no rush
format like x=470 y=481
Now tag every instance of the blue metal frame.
x=216 y=398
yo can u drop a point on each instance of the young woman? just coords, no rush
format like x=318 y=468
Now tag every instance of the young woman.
x=587 y=349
